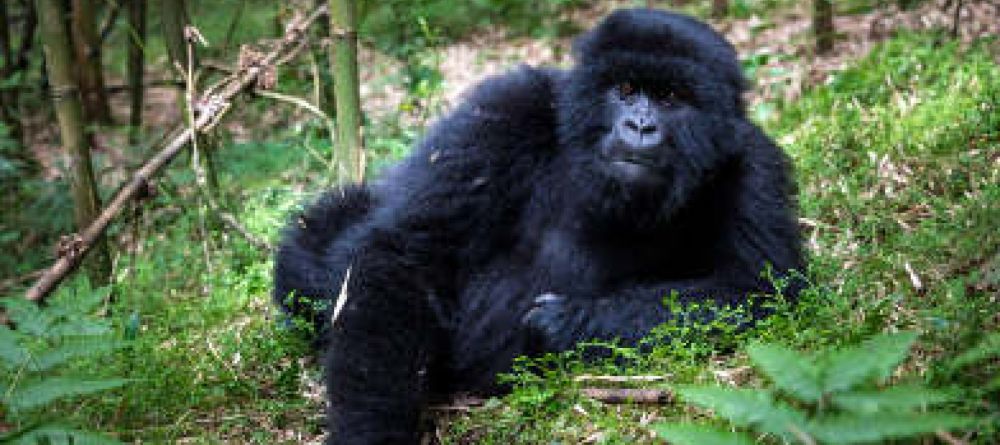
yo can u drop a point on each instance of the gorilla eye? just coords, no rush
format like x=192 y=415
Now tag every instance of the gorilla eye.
x=625 y=90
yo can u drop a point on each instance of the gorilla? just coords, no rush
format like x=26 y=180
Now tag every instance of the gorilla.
x=550 y=207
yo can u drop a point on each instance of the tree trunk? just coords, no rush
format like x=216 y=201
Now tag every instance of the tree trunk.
x=66 y=101
x=27 y=36
x=349 y=158
x=720 y=8
x=87 y=46
x=823 y=25
x=5 y=44
x=136 y=65
x=325 y=98
x=8 y=97
x=956 y=19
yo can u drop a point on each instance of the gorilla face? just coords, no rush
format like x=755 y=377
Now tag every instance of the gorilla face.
x=648 y=138
x=639 y=144
x=642 y=115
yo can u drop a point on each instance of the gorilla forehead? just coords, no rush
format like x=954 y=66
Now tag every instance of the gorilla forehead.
x=657 y=34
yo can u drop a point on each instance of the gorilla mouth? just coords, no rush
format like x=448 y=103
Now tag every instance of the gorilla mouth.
x=634 y=169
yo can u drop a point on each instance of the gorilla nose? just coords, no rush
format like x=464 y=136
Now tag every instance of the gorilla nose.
x=640 y=132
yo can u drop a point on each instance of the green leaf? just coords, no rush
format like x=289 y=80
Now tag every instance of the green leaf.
x=30 y=320
x=850 y=429
x=12 y=354
x=39 y=392
x=790 y=371
x=993 y=384
x=873 y=359
x=80 y=298
x=989 y=347
x=82 y=347
x=61 y=434
x=897 y=398
x=746 y=407
x=688 y=434
x=79 y=327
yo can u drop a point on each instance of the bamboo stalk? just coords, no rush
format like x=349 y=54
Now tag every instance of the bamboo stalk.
x=344 y=57
x=69 y=113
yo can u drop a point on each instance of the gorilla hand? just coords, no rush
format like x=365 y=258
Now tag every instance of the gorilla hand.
x=553 y=321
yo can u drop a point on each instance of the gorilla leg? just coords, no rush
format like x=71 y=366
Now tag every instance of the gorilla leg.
x=307 y=272
x=383 y=345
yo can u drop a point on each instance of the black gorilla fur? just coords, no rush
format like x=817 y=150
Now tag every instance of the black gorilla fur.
x=521 y=224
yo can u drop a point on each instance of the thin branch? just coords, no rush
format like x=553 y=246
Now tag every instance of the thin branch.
x=210 y=108
x=304 y=104
x=254 y=240
x=109 y=23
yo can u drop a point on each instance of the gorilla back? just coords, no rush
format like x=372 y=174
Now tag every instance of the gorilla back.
x=550 y=207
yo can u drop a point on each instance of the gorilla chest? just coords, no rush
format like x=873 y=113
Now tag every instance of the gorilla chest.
x=568 y=263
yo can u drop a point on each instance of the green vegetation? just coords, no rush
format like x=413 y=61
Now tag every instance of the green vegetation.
x=397 y=26
x=831 y=399
x=40 y=362
x=899 y=189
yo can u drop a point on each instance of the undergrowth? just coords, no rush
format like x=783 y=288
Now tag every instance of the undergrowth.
x=39 y=364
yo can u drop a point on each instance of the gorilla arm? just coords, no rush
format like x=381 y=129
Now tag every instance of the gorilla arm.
x=759 y=232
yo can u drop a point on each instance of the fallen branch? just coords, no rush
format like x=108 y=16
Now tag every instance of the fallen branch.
x=619 y=396
x=615 y=396
x=619 y=378
x=210 y=109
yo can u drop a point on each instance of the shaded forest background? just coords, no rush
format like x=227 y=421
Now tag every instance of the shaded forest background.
x=166 y=335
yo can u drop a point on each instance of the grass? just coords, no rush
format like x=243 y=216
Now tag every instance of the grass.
x=898 y=172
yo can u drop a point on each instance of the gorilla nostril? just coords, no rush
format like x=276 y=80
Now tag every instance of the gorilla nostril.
x=632 y=125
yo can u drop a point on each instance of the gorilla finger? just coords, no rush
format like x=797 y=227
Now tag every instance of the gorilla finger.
x=549 y=298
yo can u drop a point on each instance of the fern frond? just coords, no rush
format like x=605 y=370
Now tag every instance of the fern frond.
x=873 y=359
x=79 y=327
x=689 y=434
x=82 y=347
x=38 y=392
x=747 y=407
x=12 y=354
x=54 y=433
x=29 y=318
x=851 y=429
x=789 y=370
x=897 y=398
